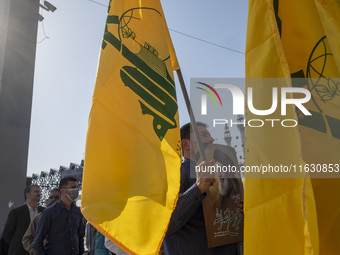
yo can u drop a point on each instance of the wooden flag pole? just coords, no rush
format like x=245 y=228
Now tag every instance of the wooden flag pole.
x=191 y=114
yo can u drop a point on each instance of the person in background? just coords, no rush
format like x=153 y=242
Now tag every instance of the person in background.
x=100 y=248
x=113 y=248
x=27 y=240
x=61 y=224
x=90 y=237
x=19 y=219
x=95 y=242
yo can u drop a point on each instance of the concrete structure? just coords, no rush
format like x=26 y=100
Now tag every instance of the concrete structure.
x=18 y=36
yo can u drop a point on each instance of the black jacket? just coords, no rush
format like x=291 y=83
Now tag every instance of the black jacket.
x=16 y=225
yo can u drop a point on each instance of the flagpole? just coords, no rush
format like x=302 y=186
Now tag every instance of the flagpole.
x=191 y=114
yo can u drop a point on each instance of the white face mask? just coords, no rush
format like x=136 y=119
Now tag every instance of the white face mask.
x=73 y=194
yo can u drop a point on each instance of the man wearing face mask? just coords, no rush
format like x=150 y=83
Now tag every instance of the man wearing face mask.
x=61 y=224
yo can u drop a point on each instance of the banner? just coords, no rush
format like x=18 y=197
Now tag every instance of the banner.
x=133 y=150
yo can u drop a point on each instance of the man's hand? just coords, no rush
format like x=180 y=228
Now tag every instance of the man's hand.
x=204 y=179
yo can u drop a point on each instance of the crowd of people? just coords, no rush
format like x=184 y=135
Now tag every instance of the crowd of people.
x=59 y=229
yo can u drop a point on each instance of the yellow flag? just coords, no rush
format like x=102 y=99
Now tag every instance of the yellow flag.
x=298 y=39
x=133 y=154
x=318 y=61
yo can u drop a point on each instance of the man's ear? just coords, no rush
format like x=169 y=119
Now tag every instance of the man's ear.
x=186 y=144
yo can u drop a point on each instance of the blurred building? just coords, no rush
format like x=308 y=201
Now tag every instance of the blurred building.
x=49 y=180
x=237 y=141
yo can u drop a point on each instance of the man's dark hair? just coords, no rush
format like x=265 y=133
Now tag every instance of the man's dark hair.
x=187 y=129
x=28 y=189
x=63 y=182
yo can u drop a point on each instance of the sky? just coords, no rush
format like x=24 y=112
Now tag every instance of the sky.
x=68 y=47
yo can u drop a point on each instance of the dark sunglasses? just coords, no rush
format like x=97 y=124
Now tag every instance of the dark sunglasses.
x=54 y=197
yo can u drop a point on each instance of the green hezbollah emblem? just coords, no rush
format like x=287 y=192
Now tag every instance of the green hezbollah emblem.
x=148 y=77
x=321 y=86
x=318 y=80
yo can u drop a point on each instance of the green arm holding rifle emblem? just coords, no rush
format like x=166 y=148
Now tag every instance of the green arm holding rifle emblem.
x=148 y=76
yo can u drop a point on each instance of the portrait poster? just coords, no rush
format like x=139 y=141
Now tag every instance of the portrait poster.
x=222 y=213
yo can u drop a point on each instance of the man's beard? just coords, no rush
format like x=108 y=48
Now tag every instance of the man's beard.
x=223 y=187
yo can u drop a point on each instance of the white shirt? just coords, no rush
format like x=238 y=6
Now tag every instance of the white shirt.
x=33 y=212
x=113 y=247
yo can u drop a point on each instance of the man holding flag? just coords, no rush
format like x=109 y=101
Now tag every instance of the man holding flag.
x=187 y=232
